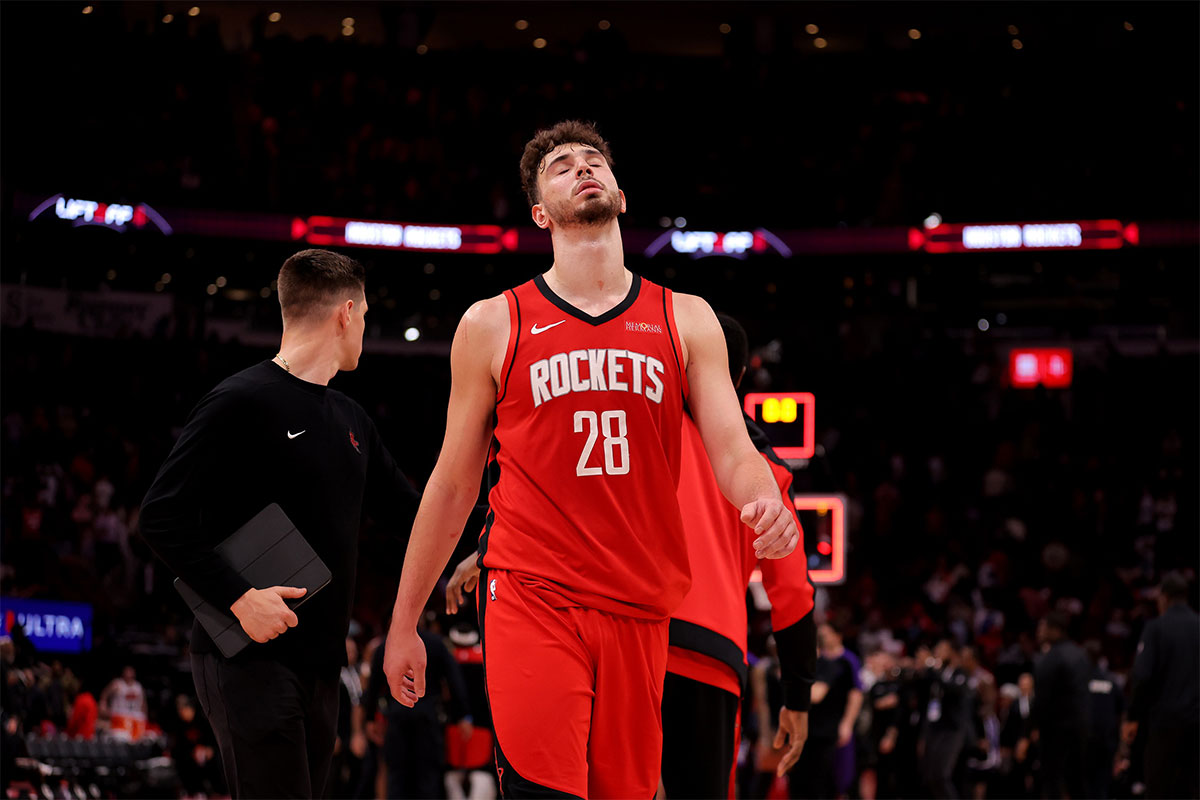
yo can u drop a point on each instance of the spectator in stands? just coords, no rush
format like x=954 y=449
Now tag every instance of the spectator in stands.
x=1165 y=693
x=836 y=700
x=1104 y=729
x=949 y=721
x=1061 y=708
x=193 y=748
x=414 y=747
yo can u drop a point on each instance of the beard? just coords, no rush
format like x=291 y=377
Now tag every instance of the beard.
x=596 y=210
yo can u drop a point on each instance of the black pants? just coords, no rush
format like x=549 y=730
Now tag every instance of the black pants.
x=414 y=751
x=699 y=738
x=1064 y=763
x=942 y=749
x=1171 y=761
x=813 y=776
x=275 y=728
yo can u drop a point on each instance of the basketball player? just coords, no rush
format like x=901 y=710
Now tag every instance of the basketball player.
x=276 y=433
x=706 y=665
x=580 y=376
x=123 y=702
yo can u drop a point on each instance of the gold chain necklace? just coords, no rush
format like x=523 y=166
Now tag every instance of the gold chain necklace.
x=287 y=367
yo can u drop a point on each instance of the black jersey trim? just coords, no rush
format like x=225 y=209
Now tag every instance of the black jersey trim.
x=759 y=439
x=699 y=639
x=672 y=332
x=512 y=356
x=612 y=313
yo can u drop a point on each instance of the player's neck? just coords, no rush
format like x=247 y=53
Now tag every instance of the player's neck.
x=308 y=355
x=589 y=262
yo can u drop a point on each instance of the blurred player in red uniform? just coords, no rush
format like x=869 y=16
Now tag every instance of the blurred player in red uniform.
x=706 y=668
x=579 y=376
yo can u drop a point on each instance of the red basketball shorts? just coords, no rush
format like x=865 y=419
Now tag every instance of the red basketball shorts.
x=576 y=693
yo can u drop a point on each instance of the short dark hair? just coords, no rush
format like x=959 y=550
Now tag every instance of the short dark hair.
x=1173 y=586
x=311 y=279
x=1058 y=620
x=543 y=143
x=736 y=343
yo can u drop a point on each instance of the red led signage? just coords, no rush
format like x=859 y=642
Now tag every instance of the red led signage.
x=1103 y=234
x=339 y=231
x=1051 y=367
x=794 y=412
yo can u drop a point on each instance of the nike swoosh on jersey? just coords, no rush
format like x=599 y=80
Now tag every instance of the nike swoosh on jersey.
x=294 y=435
x=535 y=330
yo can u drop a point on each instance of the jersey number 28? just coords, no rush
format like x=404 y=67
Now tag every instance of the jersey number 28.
x=616 y=446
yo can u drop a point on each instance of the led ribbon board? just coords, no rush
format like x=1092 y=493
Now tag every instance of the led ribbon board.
x=340 y=231
x=114 y=216
x=1103 y=234
x=790 y=419
x=698 y=244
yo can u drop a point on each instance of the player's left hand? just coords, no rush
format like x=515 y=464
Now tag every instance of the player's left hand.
x=793 y=731
x=465 y=576
x=774 y=527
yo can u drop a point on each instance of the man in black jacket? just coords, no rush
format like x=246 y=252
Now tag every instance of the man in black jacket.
x=1061 y=708
x=414 y=746
x=949 y=721
x=1165 y=694
x=276 y=433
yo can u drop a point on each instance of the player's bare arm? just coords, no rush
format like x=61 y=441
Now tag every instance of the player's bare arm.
x=453 y=487
x=744 y=477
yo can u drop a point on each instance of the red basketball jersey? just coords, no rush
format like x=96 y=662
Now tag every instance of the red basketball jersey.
x=588 y=427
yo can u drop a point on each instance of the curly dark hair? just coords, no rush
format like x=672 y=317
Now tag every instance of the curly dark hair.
x=544 y=141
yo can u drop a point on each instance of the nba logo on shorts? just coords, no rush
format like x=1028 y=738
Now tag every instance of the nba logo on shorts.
x=492 y=588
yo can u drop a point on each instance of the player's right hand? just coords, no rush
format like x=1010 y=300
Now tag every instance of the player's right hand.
x=404 y=665
x=774 y=526
x=793 y=731
x=464 y=579
x=263 y=613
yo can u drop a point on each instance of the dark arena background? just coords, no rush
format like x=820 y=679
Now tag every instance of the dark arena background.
x=963 y=239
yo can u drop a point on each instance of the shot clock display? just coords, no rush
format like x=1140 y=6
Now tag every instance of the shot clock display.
x=788 y=419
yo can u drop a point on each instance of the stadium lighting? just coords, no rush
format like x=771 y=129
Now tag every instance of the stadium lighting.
x=275 y=16
x=411 y=334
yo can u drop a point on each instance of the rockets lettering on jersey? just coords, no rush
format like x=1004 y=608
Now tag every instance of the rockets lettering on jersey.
x=587 y=449
x=596 y=370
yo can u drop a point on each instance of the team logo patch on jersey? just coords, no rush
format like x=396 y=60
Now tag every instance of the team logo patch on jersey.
x=353 y=441
x=642 y=327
